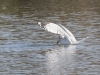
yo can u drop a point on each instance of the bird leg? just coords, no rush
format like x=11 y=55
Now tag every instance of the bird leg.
x=58 y=42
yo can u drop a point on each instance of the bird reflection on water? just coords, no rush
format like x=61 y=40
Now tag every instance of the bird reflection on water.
x=59 y=60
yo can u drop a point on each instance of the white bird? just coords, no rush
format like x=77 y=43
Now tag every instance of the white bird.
x=65 y=36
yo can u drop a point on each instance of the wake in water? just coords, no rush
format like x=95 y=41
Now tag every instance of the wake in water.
x=82 y=40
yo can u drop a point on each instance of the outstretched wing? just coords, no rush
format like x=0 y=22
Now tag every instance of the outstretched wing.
x=69 y=33
x=54 y=28
x=59 y=29
x=66 y=30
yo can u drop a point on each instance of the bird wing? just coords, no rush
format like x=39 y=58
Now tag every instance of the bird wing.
x=69 y=34
x=67 y=31
x=61 y=30
x=54 y=28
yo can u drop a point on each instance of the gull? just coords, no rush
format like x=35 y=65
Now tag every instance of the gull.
x=65 y=36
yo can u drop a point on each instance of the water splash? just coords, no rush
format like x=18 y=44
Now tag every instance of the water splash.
x=82 y=40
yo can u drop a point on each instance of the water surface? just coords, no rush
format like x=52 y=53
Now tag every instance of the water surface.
x=26 y=49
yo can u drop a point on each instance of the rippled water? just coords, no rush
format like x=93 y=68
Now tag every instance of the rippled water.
x=26 y=49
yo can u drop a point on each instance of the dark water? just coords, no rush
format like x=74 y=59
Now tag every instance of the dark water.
x=26 y=49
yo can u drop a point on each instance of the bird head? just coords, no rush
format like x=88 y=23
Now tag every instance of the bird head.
x=39 y=23
x=43 y=24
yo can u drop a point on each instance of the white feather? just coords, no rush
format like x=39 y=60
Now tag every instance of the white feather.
x=66 y=36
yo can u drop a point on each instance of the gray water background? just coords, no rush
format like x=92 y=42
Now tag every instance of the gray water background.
x=26 y=49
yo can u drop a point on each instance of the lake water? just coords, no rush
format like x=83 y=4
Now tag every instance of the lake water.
x=26 y=49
